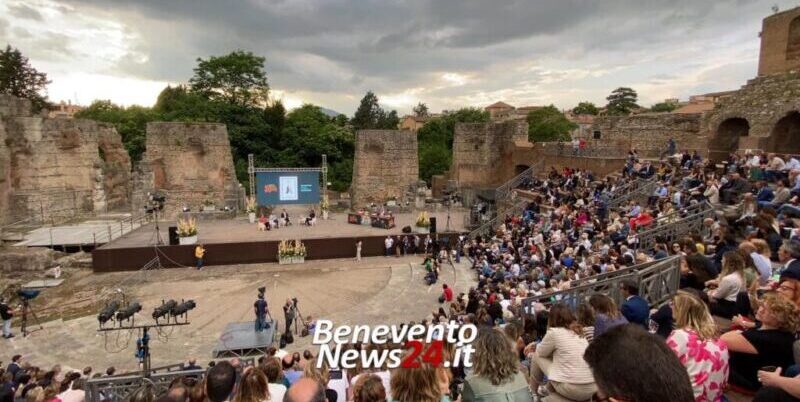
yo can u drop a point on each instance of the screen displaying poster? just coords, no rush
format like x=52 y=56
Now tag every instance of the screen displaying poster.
x=276 y=188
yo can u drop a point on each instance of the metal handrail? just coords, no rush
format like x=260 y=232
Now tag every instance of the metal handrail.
x=517 y=208
x=503 y=191
x=639 y=188
x=658 y=281
x=671 y=231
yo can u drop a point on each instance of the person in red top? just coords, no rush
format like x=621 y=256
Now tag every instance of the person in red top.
x=447 y=293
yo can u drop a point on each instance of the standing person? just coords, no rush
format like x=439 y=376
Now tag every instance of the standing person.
x=289 y=313
x=358 y=250
x=388 y=244
x=260 y=310
x=6 y=314
x=199 y=252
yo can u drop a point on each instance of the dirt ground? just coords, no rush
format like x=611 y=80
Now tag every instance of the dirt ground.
x=375 y=290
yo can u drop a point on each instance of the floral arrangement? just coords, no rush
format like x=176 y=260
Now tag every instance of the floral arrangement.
x=187 y=227
x=324 y=205
x=423 y=220
x=291 y=248
x=251 y=204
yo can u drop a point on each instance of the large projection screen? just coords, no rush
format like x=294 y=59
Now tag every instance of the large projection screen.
x=277 y=188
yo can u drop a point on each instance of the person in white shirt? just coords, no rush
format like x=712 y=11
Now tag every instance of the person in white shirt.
x=388 y=244
x=732 y=282
x=762 y=263
x=793 y=163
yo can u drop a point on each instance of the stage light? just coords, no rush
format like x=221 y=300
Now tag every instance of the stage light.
x=182 y=308
x=164 y=309
x=128 y=312
x=107 y=312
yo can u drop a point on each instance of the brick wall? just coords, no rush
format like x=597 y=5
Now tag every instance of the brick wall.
x=386 y=165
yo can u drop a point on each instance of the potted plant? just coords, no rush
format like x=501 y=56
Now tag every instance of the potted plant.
x=251 y=209
x=291 y=252
x=208 y=205
x=324 y=205
x=187 y=231
x=423 y=223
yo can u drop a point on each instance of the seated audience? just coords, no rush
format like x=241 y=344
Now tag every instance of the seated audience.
x=722 y=293
x=620 y=356
x=635 y=309
x=607 y=315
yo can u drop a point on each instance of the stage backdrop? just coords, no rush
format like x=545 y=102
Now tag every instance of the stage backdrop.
x=275 y=188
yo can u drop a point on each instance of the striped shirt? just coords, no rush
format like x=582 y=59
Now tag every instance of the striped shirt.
x=566 y=350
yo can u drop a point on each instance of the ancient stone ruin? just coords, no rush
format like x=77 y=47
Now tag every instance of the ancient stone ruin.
x=386 y=166
x=57 y=169
x=190 y=163
x=482 y=152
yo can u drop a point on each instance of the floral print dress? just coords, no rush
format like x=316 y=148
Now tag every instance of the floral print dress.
x=706 y=361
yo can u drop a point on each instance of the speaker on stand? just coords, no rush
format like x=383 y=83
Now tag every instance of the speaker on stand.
x=173 y=236
x=433 y=224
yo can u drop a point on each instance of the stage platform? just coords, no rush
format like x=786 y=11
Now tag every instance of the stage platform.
x=239 y=339
x=231 y=242
x=240 y=230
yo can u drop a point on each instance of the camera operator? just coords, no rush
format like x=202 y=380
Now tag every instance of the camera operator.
x=6 y=314
x=289 y=312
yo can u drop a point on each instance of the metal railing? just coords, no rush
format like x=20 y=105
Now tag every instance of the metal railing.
x=669 y=232
x=658 y=281
x=121 y=387
x=504 y=191
x=637 y=189
x=487 y=229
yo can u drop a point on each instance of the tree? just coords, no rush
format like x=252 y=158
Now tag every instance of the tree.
x=663 y=107
x=180 y=104
x=586 y=108
x=237 y=78
x=549 y=124
x=19 y=78
x=388 y=121
x=621 y=101
x=368 y=113
x=421 y=110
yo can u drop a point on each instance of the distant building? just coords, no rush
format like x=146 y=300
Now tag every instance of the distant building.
x=414 y=123
x=702 y=103
x=64 y=110
x=504 y=111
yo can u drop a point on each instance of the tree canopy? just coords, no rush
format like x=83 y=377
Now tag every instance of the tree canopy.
x=370 y=115
x=621 y=101
x=421 y=110
x=237 y=78
x=19 y=78
x=663 y=107
x=586 y=108
x=549 y=124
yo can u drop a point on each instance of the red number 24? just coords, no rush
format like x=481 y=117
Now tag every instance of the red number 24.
x=432 y=355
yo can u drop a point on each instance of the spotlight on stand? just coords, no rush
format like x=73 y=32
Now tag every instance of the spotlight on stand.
x=107 y=312
x=183 y=308
x=186 y=209
x=164 y=309
x=128 y=312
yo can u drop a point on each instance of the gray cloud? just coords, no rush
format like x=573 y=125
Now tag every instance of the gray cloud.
x=3 y=28
x=25 y=12
x=346 y=47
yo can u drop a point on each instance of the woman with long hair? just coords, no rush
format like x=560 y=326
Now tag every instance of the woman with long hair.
x=253 y=386
x=768 y=345
x=321 y=375
x=417 y=384
x=495 y=374
x=607 y=315
x=698 y=347
x=560 y=357
x=722 y=297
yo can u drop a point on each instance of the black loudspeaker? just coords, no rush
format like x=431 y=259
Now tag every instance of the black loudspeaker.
x=407 y=229
x=433 y=224
x=173 y=236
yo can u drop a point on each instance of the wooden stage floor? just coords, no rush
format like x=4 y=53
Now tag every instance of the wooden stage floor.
x=240 y=230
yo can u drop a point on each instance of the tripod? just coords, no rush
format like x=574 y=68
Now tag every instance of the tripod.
x=26 y=309
x=298 y=318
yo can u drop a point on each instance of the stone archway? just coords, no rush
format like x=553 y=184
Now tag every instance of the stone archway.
x=520 y=168
x=727 y=137
x=785 y=136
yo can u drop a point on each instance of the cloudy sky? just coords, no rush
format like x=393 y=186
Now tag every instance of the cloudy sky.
x=446 y=53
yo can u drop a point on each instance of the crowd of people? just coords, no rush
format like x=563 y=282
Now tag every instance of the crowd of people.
x=732 y=326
